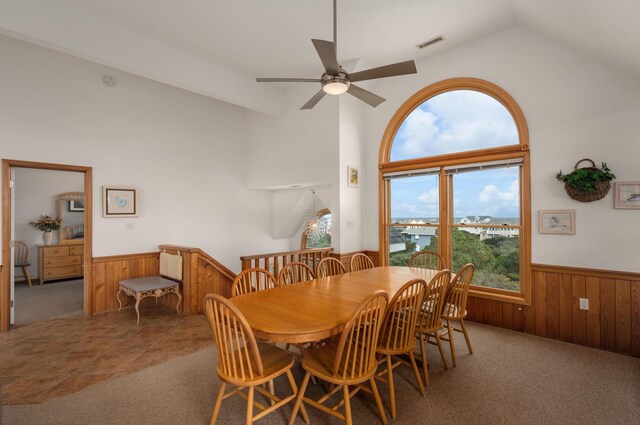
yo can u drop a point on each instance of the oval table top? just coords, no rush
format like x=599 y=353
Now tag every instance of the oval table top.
x=319 y=308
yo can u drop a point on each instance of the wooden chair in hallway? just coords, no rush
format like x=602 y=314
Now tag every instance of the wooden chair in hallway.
x=329 y=266
x=360 y=261
x=348 y=361
x=295 y=272
x=245 y=363
x=430 y=318
x=21 y=259
x=427 y=260
x=455 y=308
x=252 y=280
x=397 y=335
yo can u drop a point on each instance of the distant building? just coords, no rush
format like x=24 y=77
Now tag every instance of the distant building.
x=490 y=232
x=397 y=242
x=421 y=235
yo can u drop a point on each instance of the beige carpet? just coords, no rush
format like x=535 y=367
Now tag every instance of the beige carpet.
x=53 y=299
x=511 y=378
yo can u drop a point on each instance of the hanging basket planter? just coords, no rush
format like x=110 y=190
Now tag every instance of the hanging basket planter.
x=587 y=184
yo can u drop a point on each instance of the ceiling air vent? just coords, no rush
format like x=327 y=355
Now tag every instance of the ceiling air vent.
x=430 y=42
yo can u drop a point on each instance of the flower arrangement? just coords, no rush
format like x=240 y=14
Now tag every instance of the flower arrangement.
x=46 y=223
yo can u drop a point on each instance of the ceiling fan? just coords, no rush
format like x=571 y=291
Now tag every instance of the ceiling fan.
x=335 y=80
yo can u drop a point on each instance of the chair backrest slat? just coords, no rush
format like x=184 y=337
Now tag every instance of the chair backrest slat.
x=295 y=272
x=238 y=354
x=458 y=291
x=20 y=252
x=329 y=266
x=252 y=280
x=427 y=260
x=355 y=355
x=398 y=330
x=431 y=311
x=360 y=261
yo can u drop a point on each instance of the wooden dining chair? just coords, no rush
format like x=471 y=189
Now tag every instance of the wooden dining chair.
x=455 y=308
x=360 y=261
x=295 y=272
x=252 y=280
x=348 y=361
x=429 y=320
x=245 y=363
x=427 y=260
x=21 y=259
x=329 y=266
x=397 y=335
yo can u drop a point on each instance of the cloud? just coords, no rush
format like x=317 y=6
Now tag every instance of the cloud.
x=495 y=202
x=430 y=196
x=455 y=121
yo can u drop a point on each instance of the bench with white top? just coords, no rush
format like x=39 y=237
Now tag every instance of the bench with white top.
x=155 y=286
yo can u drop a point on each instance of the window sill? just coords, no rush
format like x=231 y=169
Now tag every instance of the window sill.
x=502 y=296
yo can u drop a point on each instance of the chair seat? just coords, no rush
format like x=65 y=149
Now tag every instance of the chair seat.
x=149 y=283
x=274 y=361
x=452 y=312
x=27 y=264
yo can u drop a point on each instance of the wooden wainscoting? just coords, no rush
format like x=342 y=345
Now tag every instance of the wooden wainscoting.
x=108 y=271
x=612 y=322
x=345 y=257
x=201 y=275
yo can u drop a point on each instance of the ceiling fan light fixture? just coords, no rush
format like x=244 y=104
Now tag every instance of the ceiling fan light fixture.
x=335 y=84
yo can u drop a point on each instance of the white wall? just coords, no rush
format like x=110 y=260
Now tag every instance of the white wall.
x=36 y=193
x=186 y=153
x=576 y=107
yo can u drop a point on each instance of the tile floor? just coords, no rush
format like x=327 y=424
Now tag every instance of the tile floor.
x=52 y=358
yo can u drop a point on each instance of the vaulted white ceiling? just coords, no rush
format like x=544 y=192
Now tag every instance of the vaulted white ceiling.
x=218 y=48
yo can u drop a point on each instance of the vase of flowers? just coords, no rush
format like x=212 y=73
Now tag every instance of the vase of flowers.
x=46 y=224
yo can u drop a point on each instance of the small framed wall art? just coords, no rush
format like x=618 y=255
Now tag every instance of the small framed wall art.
x=118 y=201
x=557 y=222
x=353 y=177
x=627 y=195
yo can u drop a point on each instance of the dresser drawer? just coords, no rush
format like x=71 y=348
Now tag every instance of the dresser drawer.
x=60 y=272
x=56 y=251
x=76 y=250
x=70 y=260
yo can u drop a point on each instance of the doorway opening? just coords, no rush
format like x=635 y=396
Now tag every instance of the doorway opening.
x=46 y=242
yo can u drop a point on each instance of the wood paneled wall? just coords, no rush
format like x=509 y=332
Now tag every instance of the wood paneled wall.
x=612 y=322
x=201 y=275
x=108 y=271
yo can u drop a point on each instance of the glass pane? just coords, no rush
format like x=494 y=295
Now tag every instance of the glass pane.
x=455 y=121
x=487 y=197
x=414 y=202
x=325 y=240
x=404 y=241
x=497 y=258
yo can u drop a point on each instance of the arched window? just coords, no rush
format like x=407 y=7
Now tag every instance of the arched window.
x=322 y=242
x=454 y=179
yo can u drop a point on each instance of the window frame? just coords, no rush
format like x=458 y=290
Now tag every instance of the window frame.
x=517 y=151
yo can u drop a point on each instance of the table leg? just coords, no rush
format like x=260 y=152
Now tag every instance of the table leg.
x=118 y=298
x=138 y=298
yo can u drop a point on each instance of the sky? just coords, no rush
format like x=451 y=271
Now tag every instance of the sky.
x=454 y=122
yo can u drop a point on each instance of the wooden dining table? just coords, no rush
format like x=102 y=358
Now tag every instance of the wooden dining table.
x=317 y=309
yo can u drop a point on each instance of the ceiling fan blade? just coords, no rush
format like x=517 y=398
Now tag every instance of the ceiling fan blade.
x=400 y=68
x=327 y=52
x=365 y=95
x=288 y=80
x=315 y=99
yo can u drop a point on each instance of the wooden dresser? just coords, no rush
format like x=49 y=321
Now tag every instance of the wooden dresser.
x=59 y=261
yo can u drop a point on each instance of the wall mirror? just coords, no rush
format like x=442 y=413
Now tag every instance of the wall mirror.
x=71 y=212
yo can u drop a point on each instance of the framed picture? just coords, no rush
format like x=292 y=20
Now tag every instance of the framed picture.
x=353 y=178
x=119 y=201
x=76 y=206
x=627 y=195
x=557 y=222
